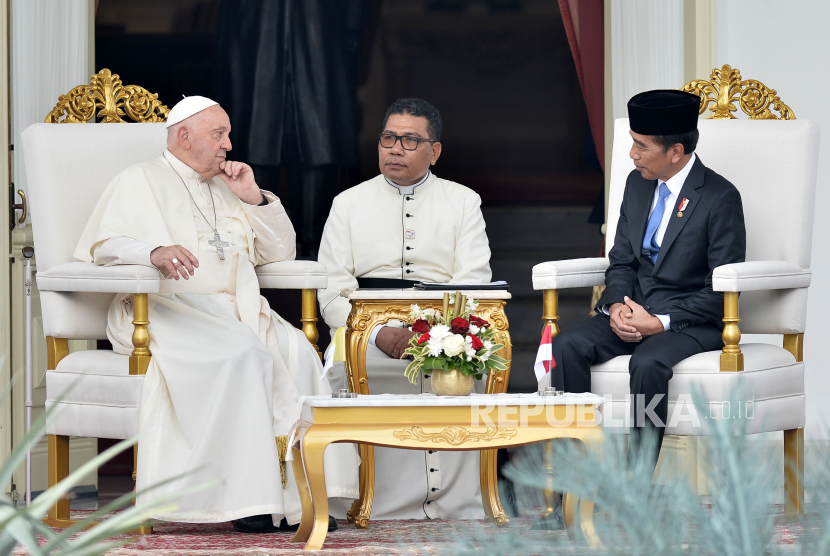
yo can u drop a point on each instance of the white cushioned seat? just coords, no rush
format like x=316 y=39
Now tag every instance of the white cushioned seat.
x=96 y=395
x=773 y=281
x=68 y=168
x=771 y=379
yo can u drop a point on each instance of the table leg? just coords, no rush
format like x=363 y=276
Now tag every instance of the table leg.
x=578 y=514
x=313 y=451
x=586 y=518
x=570 y=505
x=493 y=509
x=307 y=519
x=576 y=511
x=361 y=509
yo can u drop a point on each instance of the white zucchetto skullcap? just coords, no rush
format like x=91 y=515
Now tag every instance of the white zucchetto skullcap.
x=188 y=107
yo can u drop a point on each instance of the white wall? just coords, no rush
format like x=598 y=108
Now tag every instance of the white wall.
x=784 y=44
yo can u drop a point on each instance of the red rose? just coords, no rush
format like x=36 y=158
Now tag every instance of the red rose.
x=423 y=339
x=420 y=326
x=480 y=322
x=459 y=325
x=477 y=344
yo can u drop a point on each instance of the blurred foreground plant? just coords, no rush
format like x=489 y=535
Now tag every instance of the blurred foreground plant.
x=638 y=513
x=23 y=526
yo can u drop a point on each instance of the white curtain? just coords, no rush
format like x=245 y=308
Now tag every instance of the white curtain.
x=50 y=56
x=646 y=48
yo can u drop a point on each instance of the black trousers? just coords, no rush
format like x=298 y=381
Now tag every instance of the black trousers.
x=592 y=342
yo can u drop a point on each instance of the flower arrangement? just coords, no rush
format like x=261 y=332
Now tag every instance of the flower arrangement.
x=454 y=339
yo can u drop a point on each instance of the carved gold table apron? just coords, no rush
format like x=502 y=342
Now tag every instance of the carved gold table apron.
x=373 y=307
x=417 y=422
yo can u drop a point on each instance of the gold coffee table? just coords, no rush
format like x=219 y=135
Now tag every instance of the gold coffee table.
x=373 y=307
x=417 y=422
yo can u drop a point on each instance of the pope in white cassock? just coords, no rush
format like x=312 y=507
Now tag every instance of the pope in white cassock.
x=403 y=226
x=226 y=371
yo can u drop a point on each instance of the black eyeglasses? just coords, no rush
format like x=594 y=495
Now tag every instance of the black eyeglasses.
x=409 y=143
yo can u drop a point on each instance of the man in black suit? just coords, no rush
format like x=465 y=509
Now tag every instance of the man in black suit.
x=678 y=221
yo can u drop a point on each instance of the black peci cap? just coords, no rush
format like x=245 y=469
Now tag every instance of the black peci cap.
x=663 y=112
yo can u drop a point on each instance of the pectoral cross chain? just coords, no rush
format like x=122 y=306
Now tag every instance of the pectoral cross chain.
x=219 y=244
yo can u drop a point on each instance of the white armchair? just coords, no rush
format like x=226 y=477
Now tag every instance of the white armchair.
x=773 y=164
x=68 y=167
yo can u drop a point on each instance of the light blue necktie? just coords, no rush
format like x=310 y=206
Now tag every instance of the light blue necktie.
x=650 y=239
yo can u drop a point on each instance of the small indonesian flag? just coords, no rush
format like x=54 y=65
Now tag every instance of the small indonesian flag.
x=544 y=357
x=683 y=204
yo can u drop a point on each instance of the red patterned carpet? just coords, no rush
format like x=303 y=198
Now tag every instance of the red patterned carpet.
x=382 y=537
x=416 y=537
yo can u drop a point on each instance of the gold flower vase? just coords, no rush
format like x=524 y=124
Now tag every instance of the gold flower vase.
x=452 y=383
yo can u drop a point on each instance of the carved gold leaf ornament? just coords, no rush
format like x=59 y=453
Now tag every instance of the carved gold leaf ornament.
x=725 y=87
x=111 y=98
x=454 y=436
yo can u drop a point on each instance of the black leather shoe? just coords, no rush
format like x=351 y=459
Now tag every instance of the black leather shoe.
x=284 y=526
x=255 y=524
x=554 y=521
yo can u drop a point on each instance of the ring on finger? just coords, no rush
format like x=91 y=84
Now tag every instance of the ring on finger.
x=175 y=261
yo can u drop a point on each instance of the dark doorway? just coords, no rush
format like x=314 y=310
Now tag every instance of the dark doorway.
x=502 y=75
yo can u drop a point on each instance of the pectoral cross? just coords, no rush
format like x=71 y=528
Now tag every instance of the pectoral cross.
x=219 y=244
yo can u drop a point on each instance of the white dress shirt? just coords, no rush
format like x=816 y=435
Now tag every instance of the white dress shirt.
x=675 y=184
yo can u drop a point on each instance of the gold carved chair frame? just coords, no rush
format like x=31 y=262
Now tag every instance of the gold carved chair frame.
x=113 y=102
x=719 y=94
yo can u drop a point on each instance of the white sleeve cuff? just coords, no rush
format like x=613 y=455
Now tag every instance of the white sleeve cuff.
x=123 y=250
x=374 y=334
x=666 y=320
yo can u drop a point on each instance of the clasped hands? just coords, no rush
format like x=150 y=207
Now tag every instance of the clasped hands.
x=632 y=323
x=393 y=341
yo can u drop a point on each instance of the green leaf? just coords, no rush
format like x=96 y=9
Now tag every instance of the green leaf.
x=48 y=498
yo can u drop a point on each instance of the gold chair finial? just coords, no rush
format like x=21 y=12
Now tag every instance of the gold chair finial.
x=725 y=86
x=106 y=92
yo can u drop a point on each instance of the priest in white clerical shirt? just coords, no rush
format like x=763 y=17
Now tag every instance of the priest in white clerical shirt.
x=403 y=226
x=227 y=371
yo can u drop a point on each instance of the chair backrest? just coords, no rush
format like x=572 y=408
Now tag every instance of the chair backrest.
x=68 y=168
x=773 y=164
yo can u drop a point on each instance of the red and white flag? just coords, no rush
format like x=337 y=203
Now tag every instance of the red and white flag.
x=544 y=357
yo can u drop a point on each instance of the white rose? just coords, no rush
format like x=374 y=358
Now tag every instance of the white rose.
x=428 y=313
x=454 y=345
x=488 y=345
x=474 y=329
x=439 y=331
